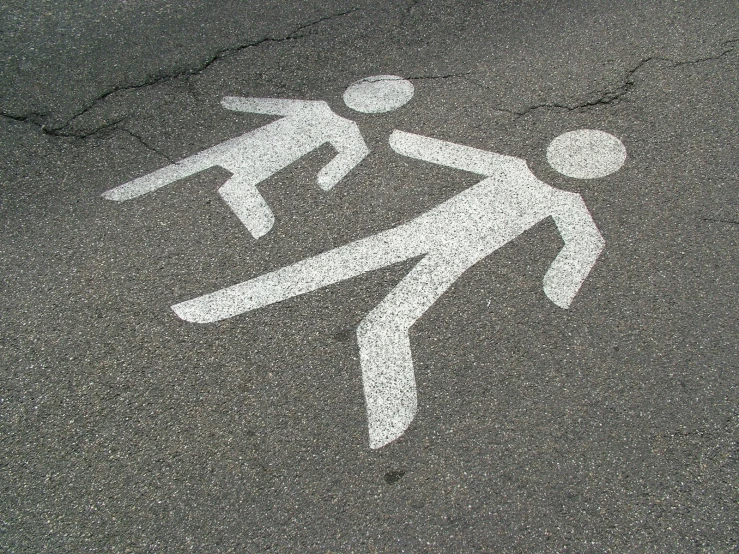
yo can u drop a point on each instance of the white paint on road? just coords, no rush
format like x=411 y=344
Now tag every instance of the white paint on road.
x=257 y=155
x=378 y=94
x=586 y=154
x=449 y=239
x=452 y=237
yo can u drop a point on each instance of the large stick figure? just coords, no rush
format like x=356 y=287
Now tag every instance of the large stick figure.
x=452 y=237
x=257 y=155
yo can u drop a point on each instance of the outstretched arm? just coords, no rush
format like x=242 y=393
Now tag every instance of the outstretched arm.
x=267 y=106
x=160 y=178
x=583 y=245
x=450 y=154
x=351 y=150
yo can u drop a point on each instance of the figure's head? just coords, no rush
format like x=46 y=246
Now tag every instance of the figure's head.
x=378 y=94
x=586 y=154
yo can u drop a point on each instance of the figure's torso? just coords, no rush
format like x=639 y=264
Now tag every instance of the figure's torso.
x=272 y=147
x=489 y=214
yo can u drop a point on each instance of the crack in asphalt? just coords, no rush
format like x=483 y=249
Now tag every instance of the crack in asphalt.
x=37 y=119
x=145 y=144
x=606 y=97
x=713 y=220
x=421 y=77
x=614 y=95
x=708 y=58
x=432 y=77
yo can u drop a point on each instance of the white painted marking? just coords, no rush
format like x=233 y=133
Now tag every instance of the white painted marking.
x=452 y=237
x=259 y=154
x=378 y=94
x=586 y=154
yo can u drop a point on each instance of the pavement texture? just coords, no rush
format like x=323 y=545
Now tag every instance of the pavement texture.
x=611 y=426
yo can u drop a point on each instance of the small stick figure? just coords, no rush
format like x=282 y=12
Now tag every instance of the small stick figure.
x=257 y=155
x=452 y=237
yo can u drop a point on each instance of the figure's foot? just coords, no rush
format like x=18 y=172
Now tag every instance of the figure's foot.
x=390 y=426
x=387 y=375
x=249 y=205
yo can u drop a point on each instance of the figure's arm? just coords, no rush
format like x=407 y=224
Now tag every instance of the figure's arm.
x=267 y=106
x=583 y=245
x=351 y=150
x=160 y=178
x=449 y=154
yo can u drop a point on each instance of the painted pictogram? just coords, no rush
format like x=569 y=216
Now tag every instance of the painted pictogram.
x=449 y=238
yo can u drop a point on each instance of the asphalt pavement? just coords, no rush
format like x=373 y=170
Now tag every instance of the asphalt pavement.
x=607 y=426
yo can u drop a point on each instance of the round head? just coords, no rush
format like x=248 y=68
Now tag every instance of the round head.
x=586 y=154
x=378 y=94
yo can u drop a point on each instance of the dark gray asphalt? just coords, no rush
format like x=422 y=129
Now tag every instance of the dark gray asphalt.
x=608 y=427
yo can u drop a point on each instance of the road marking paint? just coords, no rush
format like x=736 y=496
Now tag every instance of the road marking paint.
x=452 y=237
x=449 y=239
x=257 y=155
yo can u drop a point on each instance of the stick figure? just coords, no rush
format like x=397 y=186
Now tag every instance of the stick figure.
x=257 y=155
x=452 y=237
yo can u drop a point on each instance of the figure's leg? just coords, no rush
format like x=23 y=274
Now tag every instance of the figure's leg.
x=339 y=264
x=385 y=351
x=243 y=197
